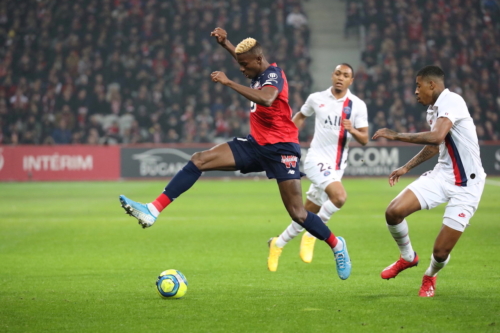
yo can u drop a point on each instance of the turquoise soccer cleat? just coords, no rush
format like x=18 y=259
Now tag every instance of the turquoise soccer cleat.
x=343 y=261
x=138 y=210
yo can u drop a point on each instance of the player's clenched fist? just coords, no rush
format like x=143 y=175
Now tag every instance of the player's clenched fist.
x=220 y=34
x=219 y=77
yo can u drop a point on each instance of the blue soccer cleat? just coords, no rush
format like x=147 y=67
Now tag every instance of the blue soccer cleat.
x=343 y=261
x=139 y=211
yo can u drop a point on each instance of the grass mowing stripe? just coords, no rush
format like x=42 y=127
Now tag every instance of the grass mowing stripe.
x=71 y=260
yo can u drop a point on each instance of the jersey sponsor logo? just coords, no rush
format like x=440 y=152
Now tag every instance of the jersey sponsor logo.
x=321 y=105
x=461 y=215
x=347 y=110
x=290 y=161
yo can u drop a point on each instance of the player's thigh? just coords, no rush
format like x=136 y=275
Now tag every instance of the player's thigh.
x=406 y=203
x=336 y=192
x=462 y=205
x=430 y=190
x=291 y=194
x=219 y=157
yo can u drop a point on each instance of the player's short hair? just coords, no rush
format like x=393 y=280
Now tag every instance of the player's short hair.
x=346 y=64
x=431 y=72
x=247 y=45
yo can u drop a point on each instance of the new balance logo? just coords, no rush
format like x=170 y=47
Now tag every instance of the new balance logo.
x=289 y=161
x=461 y=215
x=292 y=172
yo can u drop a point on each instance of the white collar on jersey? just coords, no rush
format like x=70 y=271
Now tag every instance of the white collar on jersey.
x=434 y=107
x=329 y=93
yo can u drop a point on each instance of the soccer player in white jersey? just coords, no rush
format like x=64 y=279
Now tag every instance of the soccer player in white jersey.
x=340 y=117
x=458 y=177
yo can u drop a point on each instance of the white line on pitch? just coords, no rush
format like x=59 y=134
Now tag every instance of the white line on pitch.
x=492 y=182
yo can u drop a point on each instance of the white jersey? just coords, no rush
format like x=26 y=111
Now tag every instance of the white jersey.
x=459 y=159
x=331 y=139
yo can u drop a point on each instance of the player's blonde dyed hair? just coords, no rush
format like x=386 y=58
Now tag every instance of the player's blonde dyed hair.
x=245 y=45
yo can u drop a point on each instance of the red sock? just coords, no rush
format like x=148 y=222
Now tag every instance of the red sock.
x=332 y=240
x=161 y=202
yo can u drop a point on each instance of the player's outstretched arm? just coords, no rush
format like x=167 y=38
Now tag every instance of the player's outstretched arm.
x=433 y=137
x=298 y=119
x=426 y=153
x=264 y=96
x=221 y=37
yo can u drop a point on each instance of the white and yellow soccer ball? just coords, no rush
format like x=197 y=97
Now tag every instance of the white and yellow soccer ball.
x=171 y=284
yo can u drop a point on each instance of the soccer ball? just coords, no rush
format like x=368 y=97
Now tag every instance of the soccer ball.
x=171 y=284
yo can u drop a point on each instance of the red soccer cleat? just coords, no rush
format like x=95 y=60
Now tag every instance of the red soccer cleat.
x=428 y=286
x=393 y=270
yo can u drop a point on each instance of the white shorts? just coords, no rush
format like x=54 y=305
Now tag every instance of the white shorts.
x=321 y=172
x=432 y=190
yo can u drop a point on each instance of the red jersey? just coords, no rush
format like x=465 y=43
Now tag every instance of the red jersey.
x=273 y=124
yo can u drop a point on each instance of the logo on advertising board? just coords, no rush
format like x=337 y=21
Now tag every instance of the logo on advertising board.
x=152 y=163
x=372 y=161
x=57 y=162
x=164 y=162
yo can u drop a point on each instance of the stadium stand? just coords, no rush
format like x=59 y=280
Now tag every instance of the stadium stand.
x=136 y=71
x=402 y=36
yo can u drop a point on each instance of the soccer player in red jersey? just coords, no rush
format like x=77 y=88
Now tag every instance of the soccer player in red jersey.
x=272 y=146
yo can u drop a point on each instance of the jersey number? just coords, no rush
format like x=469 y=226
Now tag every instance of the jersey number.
x=324 y=167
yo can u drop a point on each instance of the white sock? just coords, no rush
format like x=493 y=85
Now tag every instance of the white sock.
x=290 y=233
x=153 y=209
x=326 y=211
x=435 y=266
x=400 y=234
x=339 y=246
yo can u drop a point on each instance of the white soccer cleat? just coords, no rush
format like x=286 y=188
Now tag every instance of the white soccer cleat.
x=139 y=211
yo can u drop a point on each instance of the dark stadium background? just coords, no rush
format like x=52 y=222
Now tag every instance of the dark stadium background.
x=117 y=73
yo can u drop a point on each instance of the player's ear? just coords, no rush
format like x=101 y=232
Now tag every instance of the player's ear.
x=432 y=85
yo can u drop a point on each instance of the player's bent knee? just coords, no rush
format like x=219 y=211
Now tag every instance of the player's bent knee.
x=340 y=200
x=199 y=159
x=440 y=255
x=394 y=214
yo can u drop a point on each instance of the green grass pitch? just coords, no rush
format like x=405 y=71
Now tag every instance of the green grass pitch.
x=72 y=261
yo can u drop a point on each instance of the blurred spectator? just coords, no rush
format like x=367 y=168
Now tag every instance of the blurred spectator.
x=127 y=71
x=461 y=36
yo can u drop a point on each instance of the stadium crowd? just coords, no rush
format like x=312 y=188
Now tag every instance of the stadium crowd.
x=460 y=36
x=135 y=71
